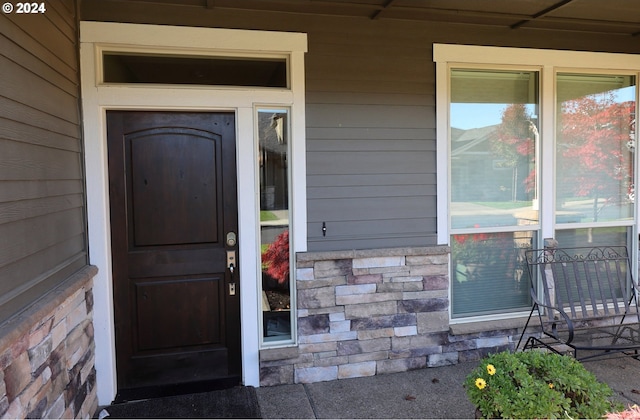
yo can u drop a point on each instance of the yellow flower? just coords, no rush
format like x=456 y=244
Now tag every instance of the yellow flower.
x=551 y=386
x=491 y=370
x=480 y=383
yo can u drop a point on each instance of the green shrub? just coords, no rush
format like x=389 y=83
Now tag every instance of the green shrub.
x=534 y=384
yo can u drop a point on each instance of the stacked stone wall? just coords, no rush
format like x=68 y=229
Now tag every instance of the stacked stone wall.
x=363 y=313
x=47 y=355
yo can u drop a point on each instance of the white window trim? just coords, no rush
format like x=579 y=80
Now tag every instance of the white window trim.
x=97 y=98
x=549 y=62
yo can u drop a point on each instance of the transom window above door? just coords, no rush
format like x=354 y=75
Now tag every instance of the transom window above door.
x=131 y=67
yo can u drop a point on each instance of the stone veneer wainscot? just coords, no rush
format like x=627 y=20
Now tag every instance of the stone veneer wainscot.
x=368 y=312
x=47 y=355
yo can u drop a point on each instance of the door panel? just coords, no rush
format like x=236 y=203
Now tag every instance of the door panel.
x=174 y=169
x=173 y=200
x=167 y=322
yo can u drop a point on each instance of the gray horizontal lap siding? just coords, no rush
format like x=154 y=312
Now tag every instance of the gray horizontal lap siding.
x=42 y=200
x=371 y=155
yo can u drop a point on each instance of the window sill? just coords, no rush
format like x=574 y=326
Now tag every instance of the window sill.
x=517 y=323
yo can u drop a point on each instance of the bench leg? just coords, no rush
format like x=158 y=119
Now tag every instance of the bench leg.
x=536 y=343
x=524 y=330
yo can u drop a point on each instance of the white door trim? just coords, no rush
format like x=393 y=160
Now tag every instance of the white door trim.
x=98 y=97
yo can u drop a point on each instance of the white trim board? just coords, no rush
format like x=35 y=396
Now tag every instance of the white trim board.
x=187 y=39
x=487 y=56
x=97 y=98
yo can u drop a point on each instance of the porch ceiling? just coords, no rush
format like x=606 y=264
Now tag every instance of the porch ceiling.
x=597 y=16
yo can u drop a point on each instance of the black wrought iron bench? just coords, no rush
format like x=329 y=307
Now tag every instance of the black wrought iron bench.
x=586 y=301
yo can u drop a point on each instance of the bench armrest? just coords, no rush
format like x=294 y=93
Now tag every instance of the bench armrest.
x=554 y=327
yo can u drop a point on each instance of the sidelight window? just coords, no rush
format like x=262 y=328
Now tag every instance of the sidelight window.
x=275 y=257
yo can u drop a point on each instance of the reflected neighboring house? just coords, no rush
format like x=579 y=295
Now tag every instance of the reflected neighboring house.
x=273 y=160
x=473 y=148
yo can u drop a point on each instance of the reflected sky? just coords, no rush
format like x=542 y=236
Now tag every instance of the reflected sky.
x=475 y=115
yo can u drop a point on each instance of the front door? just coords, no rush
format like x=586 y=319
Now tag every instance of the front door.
x=173 y=202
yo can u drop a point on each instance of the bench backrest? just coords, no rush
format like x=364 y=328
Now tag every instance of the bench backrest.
x=586 y=282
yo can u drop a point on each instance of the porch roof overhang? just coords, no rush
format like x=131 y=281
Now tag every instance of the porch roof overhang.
x=620 y=17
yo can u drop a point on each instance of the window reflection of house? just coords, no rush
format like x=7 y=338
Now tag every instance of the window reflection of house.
x=273 y=161
x=471 y=150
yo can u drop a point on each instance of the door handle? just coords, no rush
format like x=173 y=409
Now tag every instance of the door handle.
x=231 y=261
x=231 y=265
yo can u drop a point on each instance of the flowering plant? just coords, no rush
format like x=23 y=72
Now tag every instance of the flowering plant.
x=470 y=248
x=534 y=384
x=482 y=247
x=275 y=259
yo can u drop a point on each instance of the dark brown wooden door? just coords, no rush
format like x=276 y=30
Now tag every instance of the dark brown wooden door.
x=172 y=189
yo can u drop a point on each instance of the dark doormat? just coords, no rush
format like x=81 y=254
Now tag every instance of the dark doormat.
x=231 y=403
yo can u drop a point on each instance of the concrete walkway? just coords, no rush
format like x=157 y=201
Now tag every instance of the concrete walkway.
x=426 y=393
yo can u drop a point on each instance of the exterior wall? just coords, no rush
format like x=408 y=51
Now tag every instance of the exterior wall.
x=371 y=129
x=362 y=313
x=370 y=142
x=371 y=176
x=46 y=301
x=47 y=355
x=42 y=223
x=370 y=123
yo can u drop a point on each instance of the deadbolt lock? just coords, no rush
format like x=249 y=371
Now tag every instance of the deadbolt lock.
x=231 y=239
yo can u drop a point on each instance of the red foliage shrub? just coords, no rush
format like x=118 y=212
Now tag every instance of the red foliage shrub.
x=276 y=258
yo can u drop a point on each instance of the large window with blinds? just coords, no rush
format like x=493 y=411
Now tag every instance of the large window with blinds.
x=494 y=138
x=534 y=151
